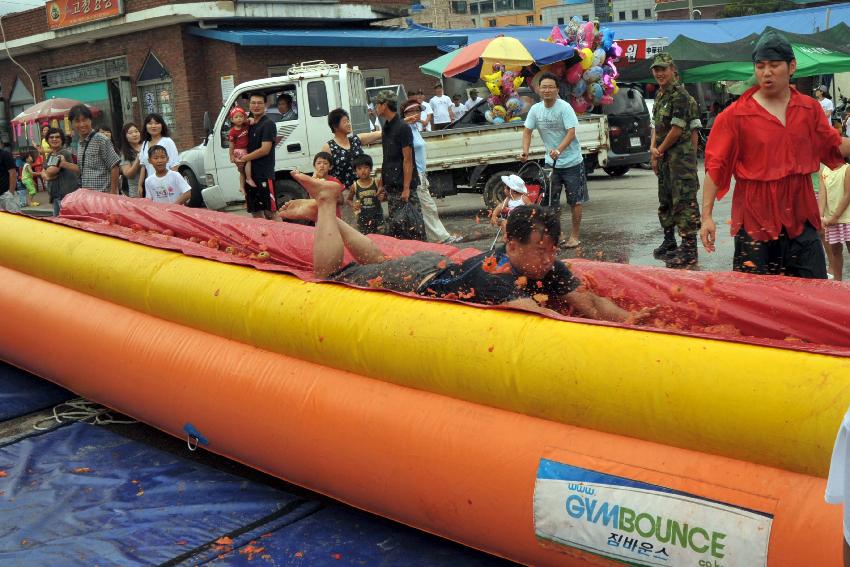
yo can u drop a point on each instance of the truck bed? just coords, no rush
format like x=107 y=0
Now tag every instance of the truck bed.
x=502 y=143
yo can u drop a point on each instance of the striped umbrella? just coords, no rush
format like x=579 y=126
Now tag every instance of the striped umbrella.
x=476 y=59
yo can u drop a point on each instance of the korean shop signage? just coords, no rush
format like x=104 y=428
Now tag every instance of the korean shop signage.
x=68 y=13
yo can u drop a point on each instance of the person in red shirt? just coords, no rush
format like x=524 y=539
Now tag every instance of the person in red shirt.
x=238 y=136
x=771 y=140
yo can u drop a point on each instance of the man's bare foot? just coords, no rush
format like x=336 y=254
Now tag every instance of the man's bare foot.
x=300 y=209
x=320 y=189
x=572 y=243
x=250 y=182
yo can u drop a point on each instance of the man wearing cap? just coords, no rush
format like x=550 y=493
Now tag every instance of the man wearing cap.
x=398 y=170
x=674 y=161
x=771 y=139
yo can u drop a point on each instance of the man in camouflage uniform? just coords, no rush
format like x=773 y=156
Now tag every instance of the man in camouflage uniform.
x=674 y=161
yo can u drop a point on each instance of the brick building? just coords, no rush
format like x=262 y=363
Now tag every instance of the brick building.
x=176 y=58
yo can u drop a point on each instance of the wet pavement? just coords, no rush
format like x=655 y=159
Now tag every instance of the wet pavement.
x=619 y=224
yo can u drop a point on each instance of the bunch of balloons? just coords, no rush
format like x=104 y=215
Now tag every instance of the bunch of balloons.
x=505 y=105
x=592 y=81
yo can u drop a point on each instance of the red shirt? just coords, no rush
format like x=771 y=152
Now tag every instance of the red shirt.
x=238 y=138
x=772 y=164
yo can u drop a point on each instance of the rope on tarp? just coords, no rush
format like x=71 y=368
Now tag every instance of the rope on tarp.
x=81 y=409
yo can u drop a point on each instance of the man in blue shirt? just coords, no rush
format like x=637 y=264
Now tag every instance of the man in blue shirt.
x=556 y=122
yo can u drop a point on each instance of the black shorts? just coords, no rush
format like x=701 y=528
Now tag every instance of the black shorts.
x=801 y=257
x=404 y=274
x=260 y=198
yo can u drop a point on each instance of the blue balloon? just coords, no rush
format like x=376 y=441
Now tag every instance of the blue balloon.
x=498 y=120
x=607 y=38
x=597 y=92
x=579 y=88
x=593 y=74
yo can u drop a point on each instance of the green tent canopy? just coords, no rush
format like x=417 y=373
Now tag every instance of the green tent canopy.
x=821 y=53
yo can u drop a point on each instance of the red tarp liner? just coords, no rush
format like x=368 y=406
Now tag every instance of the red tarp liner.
x=811 y=315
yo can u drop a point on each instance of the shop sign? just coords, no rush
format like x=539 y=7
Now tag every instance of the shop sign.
x=644 y=524
x=85 y=73
x=68 y=13
x=639 y=49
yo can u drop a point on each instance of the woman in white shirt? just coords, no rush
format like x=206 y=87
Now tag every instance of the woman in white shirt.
x=155 y=133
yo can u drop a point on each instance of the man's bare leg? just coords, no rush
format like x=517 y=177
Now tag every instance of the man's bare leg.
x=575 y=214
x=361 y=246
x=333 y=235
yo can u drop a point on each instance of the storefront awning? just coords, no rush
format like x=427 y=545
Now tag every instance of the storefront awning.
x=330 y=37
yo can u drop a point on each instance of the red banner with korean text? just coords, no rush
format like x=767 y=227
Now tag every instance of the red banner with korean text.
x=68 y=13
x=639 y=49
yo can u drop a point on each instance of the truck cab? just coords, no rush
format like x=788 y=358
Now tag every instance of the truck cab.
x=314 y=89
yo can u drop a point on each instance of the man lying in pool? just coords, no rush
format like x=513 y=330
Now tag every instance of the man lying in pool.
x=523 y=273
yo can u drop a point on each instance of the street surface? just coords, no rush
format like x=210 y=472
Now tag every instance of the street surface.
x=619 y=224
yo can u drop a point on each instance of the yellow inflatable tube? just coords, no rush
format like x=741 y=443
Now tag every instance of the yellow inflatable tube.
x=736 y=400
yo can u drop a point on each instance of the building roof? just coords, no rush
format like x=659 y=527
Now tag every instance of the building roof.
x=334 y=37
x=806 y=20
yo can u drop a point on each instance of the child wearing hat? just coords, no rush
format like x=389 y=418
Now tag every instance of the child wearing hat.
x=238 y=137
x=516 y=195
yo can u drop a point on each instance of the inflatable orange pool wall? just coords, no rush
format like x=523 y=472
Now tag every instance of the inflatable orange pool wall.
x=435 y=418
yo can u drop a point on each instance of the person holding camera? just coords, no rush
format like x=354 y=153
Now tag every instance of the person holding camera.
x=60 y=174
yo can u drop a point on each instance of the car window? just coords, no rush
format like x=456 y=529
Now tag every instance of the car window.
x=626 y=101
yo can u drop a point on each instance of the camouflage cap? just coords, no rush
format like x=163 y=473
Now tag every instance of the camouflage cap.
x=772 y=46
x=385 y=96
x=662 y=60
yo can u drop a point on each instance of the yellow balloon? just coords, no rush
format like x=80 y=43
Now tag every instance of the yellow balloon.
x=494 y=88
x=586 y=58
x=518 y=81
x=616 y=87
x=493 y=77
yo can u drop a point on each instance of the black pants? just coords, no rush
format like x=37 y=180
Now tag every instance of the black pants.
x=801 y=257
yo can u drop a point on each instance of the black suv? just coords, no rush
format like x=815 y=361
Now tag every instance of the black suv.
x=629 y=130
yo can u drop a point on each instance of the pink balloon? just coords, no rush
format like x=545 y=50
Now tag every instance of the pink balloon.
x=618 y=51
x=614 y=72
x=580 y=105
x=607 y=99
x=574 y=73
x=556 y=36
x=589 y=32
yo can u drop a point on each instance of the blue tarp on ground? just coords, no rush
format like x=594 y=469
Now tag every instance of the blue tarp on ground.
x=22 y=393
x=83 y=495
x=337 y=536
x=807 y=20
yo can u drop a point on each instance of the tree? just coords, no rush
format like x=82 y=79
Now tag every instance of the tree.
x=749 y=7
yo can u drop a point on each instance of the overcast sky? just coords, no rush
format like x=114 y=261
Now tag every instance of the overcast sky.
x=7 y=6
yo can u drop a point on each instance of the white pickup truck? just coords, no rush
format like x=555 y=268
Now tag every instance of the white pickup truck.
x=468 y=157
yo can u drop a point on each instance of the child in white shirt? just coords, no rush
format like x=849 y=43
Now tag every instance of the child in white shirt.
x=166 y=185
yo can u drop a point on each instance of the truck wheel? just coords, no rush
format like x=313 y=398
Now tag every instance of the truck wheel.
x=196 y=200
x=617 y=171
x=494 y=189
x=286 y=190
